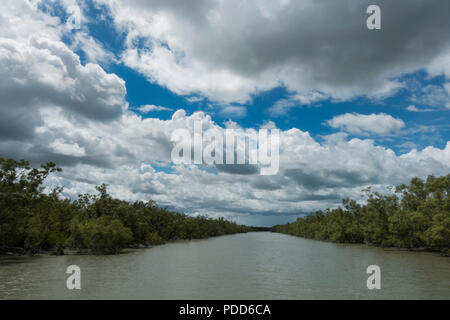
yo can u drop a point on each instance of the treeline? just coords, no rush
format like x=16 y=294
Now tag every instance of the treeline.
x=414 y=216
x=31 y=220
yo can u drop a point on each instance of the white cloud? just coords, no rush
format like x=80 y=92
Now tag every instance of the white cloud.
x=429 y=154
x=21 y=20
x=447 y=88
x=233 y=111
x=94 y=50
x=312 y=174
x=283 y=106
x=150 y=107
x=44 y=71
x=432 y=96
x=381 y=124
x=70 y=149
x=413 y=108
x=440 y=65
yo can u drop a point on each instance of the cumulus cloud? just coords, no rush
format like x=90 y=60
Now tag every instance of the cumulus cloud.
x=38 y=70
x=381 y=124
x=229 y=50
x=312 y=174
x=43 y=71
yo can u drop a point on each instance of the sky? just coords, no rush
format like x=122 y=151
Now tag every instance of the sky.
x=101 y=92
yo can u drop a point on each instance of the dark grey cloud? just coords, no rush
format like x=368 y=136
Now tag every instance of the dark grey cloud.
x=244 y=169
x=17 y=123
x=194 y=9
x=306 y=45
x=267 y=183
x=314 y=180
x=38 y=154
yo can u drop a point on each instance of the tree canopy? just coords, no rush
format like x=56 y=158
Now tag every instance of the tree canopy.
x=413 y=216
x=33 y=220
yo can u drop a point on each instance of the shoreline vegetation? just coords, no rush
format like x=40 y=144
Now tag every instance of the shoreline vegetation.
x=414 y=217
x=32 y=221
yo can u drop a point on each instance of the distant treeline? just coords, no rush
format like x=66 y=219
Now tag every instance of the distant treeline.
x=32 y=221
x=415 y=216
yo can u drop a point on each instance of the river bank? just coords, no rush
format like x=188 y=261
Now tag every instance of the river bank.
x=21 y=252
x=414 y=249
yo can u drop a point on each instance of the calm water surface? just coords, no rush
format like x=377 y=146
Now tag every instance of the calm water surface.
x=259 y=265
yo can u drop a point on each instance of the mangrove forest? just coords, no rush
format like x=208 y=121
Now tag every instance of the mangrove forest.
x=32 y=220
x=411 y=216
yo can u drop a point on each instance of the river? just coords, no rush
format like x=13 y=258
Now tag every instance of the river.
x=257 y=265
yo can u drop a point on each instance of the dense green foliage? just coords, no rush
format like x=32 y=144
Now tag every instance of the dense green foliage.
x=414 y=216
x=33 y=220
